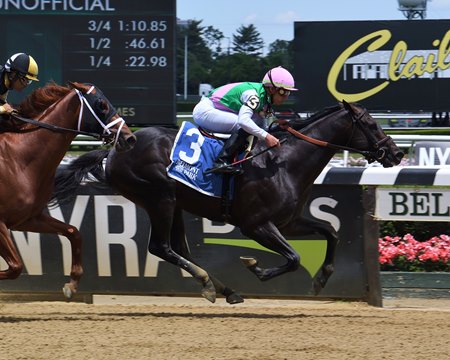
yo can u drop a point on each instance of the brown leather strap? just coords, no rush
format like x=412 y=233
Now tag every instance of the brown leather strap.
x=307 y=138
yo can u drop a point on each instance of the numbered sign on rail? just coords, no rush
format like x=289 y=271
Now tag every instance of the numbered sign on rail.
x=126 y=47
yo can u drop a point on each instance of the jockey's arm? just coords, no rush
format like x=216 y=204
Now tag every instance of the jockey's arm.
x=5 y=108
x=245 y=122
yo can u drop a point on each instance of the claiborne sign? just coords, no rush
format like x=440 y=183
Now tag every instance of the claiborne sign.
x=401 y=64
x=385 y=65
x=415 y=204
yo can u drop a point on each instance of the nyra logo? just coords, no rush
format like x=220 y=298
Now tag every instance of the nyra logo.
x=385 y=65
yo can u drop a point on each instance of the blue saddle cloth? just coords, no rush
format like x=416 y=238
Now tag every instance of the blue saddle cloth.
x=192 y=154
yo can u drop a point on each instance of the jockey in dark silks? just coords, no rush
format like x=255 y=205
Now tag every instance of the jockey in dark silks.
x=19 y=71
x=240 y=109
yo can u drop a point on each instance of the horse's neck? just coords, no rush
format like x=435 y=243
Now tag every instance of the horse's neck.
x=63 y=113
x=51 y=146
x=313 y=158
x=334 y=128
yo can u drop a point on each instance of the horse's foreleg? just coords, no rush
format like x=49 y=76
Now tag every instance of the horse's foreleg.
x=160 y=245
x=268 y=236
x=179 y=244
x=47 y=224
x=9 y=253
x=304 y=226
x=231 y=296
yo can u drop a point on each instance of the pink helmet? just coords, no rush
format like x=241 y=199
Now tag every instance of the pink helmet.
x=279 y=78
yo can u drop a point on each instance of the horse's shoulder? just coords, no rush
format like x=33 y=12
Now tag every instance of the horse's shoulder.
x=156 y=135
x=151 y=131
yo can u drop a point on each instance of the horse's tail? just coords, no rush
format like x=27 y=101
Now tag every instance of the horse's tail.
x=68 y=178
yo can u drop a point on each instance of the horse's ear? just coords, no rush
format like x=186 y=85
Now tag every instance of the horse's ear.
x=72 y=84
x=347 y=106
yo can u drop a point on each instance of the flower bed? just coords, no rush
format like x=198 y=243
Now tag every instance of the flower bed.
x=407 y=254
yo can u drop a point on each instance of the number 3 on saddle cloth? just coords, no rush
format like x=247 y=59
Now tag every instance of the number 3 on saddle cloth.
x=192 y=154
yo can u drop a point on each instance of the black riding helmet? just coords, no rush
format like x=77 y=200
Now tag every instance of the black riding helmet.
x=24 y=65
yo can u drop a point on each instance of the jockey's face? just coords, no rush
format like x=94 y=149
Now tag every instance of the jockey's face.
x=18 y=82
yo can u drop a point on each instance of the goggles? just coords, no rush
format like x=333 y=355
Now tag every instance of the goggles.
x=283 y=92
x=25 y=80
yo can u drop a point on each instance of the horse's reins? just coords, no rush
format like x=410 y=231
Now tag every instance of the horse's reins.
x=104 y=137
x=377 y=154
x=55 y=128
x=322 y=143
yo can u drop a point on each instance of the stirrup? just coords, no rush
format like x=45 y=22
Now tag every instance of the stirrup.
x=225 y=168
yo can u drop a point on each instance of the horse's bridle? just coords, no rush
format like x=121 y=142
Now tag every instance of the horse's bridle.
x=107 y=137
x=377 y=154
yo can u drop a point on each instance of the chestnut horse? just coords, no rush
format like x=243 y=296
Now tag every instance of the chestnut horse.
x=268 y=198
x=52 y=116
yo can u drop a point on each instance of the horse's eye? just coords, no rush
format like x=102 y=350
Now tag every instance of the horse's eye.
x=101 y=105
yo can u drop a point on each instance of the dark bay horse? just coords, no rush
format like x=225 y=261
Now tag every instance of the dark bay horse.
x=268 y=200
x=52 y=116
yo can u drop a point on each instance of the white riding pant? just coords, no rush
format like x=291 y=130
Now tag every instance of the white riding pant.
x=211 y=119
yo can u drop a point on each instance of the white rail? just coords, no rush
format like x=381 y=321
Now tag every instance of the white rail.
x=404 y=141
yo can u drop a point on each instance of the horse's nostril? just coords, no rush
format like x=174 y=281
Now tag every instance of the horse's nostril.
x=131 y=140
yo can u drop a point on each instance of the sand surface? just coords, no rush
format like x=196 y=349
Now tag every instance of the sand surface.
x=129 y=327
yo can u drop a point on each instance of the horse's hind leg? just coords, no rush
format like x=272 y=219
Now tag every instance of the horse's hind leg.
x=179 y=244
x=9 y=253
x=161 y=218
x=47 y=224
x=268 y=236
x=304 y=226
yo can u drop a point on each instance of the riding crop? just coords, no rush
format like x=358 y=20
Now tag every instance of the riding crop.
x=247 y=158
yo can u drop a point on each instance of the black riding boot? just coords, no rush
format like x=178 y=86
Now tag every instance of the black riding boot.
x=235 y=144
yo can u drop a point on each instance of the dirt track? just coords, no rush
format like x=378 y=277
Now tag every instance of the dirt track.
x=183 y=328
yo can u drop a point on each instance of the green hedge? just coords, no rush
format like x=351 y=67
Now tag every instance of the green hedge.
x=421 y=230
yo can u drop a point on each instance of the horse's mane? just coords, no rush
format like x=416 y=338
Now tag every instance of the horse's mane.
x=298 y=124
x=41 y=98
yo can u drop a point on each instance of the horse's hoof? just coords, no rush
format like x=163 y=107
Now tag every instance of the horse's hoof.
x=249 y=261
x=234 y=298
x=317 y=287
x=68 y=291
x=322 y=278
x=209 y=291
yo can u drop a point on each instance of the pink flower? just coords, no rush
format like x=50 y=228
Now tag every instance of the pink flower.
x=407 y=253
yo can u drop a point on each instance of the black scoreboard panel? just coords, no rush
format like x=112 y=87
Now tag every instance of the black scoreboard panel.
x=125 y=47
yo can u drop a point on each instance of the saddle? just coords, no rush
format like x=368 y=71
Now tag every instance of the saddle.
x=188 y=166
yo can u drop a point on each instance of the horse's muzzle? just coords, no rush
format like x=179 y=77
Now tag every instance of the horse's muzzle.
x=125 y=142
x=392 y=157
